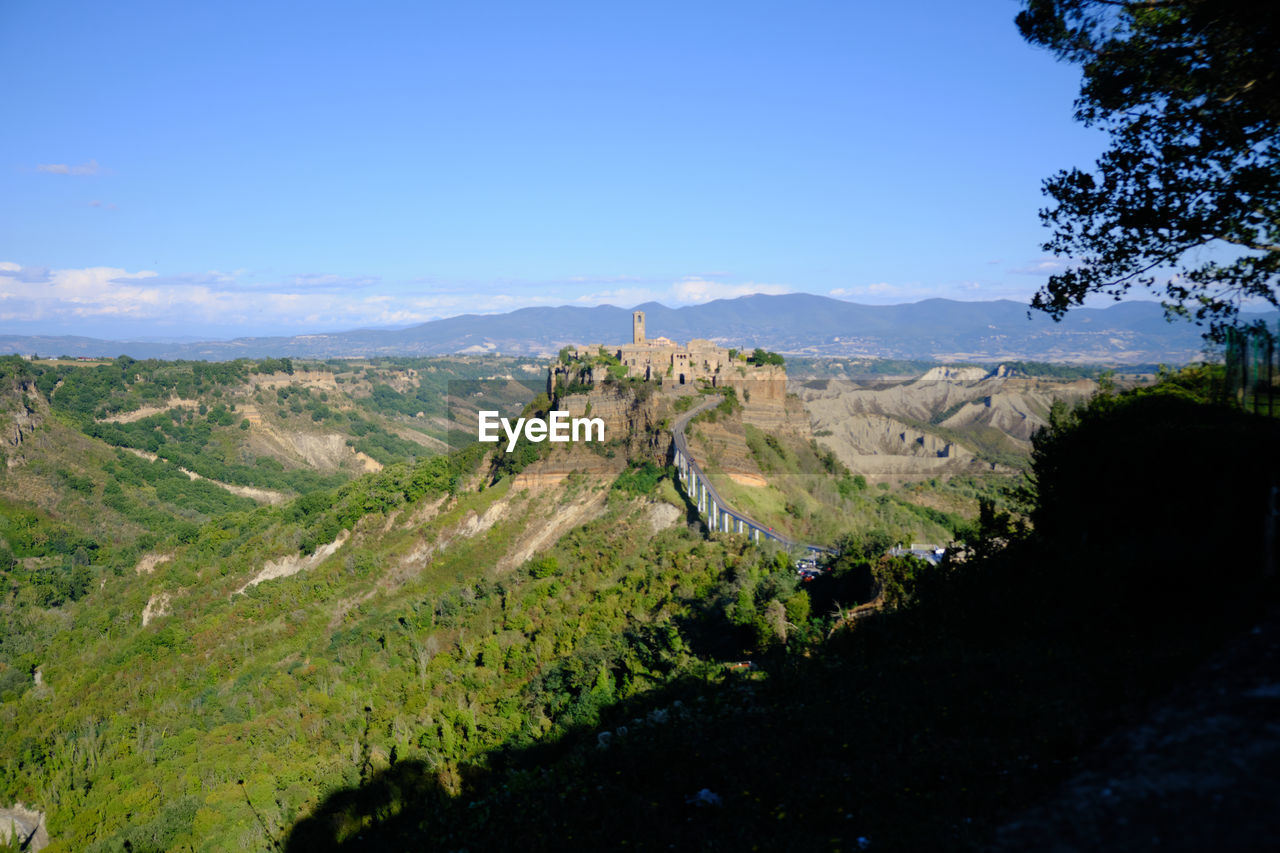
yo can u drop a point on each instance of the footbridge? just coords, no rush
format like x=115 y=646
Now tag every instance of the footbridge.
x=712 y=508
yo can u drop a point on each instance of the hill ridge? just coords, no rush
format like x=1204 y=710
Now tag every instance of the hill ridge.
x=795 y=323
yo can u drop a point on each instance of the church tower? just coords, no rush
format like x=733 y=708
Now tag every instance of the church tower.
x=637 y=327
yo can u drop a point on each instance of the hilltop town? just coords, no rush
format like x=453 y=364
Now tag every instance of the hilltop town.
x=663 y=361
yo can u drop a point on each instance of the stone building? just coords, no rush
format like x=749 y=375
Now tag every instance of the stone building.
x=647 y=358
x=664 y=359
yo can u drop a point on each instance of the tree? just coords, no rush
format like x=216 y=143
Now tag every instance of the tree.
x=762 y=356
x=1186 y=202
x=896 y=579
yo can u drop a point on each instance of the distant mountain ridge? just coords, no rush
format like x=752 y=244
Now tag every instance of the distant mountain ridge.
x=795 y=323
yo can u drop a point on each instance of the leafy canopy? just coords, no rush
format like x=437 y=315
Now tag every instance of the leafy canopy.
x=1186 y=202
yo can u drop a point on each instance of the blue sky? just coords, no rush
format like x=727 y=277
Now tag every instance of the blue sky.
x=175 y=169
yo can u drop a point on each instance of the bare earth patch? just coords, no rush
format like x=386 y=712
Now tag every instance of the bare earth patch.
x=663 y=515
x=27 y=824
x=157 y=606
x=370 y=464
x=542 y=533
x=425 y=512
x=148 y=411
x=148 y=563
x=291 y=564
x=420 y=555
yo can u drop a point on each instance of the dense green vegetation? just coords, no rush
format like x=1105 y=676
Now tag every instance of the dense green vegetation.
x=437 y=380
x=125 y=385
x=640 y=478
x=976 y=691
x=190 y=413
x=455 y=663
x=727 y=406
x=425 y=681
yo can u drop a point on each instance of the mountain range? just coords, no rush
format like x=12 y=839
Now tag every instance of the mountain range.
x=796 y=323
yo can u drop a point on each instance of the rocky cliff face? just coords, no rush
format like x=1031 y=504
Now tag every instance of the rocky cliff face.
x=22 y=411
x=632 y=417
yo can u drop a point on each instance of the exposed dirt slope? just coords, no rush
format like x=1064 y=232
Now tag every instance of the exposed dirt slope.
x=291 y=564
x=322 y=451
x=27 y=824
x=937 y=424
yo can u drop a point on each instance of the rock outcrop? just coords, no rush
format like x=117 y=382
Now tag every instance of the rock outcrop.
x=22 y=411
x=291 y=564
x=631 y=416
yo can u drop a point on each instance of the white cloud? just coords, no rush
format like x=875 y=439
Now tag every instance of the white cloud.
x=694 y=290
x=107 y=301
x=1041 y=266
x=621 y=296
x=90 y=168
x=687 y=291
x=885 y=293
x=605 y=279
x=115 y=302
x=879 y=288
x=313 y=281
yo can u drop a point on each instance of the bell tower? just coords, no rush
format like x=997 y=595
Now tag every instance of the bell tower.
x=637 y=327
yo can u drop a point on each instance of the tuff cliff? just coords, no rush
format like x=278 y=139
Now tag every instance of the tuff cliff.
x=634 y=416
x=22 y=410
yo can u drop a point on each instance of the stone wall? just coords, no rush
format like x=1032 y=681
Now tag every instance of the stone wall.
x=765 y=385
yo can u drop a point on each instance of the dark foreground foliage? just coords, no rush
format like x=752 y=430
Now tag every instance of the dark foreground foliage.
x=922 y=727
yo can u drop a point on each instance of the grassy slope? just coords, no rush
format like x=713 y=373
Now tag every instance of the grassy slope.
x=811 y=498
x=145 y=732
